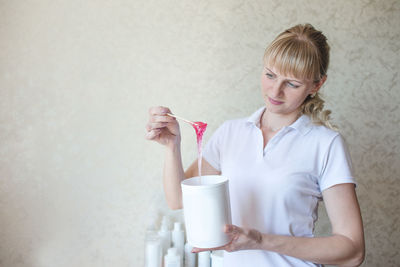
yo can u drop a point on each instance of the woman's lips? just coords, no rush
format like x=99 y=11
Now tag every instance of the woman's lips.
x=274 y=102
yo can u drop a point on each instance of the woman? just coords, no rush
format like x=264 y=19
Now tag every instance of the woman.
x=281 y=161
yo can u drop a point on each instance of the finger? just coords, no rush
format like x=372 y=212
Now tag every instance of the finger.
x=232 y=229
x=148 y=128
x=156 y=125
x=195 y=250
x=153 y=134
x=230 y=247
x=153 y=125
x=161 y=118
x=159 y=110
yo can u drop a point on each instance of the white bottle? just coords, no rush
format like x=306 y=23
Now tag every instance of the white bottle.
x=204 y=259
x=190 y=258
x=165 y=235
x=151 y=230
x=172 y=259
x=178 y=238
x=217 y=258
x=153 y=251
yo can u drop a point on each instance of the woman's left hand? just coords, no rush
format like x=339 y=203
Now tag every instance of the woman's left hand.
x=241 y=239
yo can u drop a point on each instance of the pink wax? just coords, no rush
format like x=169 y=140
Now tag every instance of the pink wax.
x=200 y=128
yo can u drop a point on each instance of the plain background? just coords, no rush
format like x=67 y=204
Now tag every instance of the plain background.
x=78 y=182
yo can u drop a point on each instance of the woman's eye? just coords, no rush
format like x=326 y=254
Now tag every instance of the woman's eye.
x=269 y=75
x=293 y=85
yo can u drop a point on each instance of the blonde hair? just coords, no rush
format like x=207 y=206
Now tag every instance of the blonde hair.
x=302 y=51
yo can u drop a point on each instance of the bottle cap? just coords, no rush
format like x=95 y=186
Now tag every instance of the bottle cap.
x=164 y=224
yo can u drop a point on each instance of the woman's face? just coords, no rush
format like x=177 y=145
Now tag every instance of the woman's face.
x=284 y=94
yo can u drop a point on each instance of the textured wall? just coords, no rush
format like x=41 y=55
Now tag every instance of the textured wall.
x=78 y=182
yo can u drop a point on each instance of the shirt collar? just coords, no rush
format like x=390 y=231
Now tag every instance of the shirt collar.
x=303 y=124
x=256 y=117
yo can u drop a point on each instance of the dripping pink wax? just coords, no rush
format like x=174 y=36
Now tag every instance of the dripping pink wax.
x=200 y=128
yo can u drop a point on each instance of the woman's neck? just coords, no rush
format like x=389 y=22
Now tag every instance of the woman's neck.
x=274 y=122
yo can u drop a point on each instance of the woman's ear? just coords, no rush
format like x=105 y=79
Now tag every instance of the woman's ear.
x=318 y=85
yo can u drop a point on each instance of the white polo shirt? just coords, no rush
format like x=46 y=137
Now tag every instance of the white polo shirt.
x=276 y=189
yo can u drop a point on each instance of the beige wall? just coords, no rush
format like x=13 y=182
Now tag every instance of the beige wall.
x=78 y=182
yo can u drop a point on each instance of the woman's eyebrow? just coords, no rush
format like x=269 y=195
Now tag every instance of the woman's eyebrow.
x=294 y=80
x=270 y=70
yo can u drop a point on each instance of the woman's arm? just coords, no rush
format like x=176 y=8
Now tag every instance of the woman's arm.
x=164 y=130
x=345 y=247
x=206 y=169
x=173 y=174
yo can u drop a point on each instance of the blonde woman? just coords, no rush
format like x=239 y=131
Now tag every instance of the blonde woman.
x=281 y=161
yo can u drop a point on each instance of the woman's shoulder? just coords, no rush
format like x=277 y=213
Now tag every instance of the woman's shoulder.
x=324 y=133
x=324 y=130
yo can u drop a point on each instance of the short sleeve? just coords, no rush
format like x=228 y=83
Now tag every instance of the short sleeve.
x=212 y=150
x=337 y=166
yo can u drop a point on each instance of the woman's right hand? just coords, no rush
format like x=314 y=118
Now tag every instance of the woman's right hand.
x=162 y=128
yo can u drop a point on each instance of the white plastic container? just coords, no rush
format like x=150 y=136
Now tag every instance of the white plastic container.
x=190 y=258
x=204 y=259
x=178 y=238
x=217 y=258
x=206 y=210
x=153 y=250
x=165 y=235
x=172 y=259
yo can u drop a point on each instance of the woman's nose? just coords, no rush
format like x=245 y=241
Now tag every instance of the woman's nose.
x=277 y=89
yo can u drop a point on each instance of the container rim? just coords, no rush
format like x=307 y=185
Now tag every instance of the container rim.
x=193 y=182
